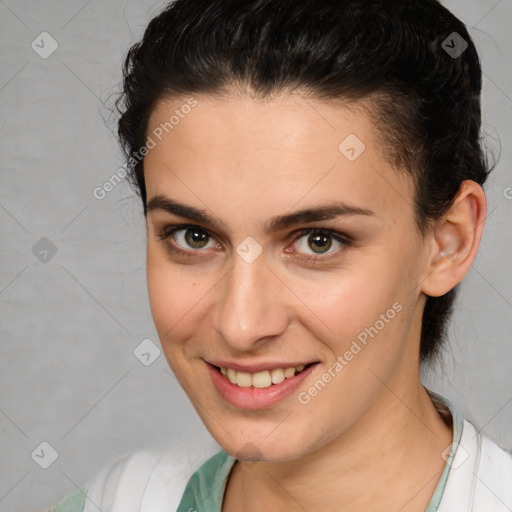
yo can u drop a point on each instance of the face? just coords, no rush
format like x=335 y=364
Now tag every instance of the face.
x=252 y=285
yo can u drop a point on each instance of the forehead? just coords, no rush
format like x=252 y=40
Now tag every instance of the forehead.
x=281 y=151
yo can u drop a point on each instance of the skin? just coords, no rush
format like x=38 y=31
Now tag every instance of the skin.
x=245 y=161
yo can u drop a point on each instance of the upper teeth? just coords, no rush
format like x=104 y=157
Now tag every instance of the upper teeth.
x=260 y=379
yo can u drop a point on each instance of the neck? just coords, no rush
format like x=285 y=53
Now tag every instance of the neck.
x=389 y=460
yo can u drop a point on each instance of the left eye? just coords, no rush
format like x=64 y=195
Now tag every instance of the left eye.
x=319 y=242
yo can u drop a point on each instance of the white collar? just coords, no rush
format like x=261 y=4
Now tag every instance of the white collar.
x=480 y=477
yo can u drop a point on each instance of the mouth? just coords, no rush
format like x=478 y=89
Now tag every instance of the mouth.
x=259 y=390
x=262 y=379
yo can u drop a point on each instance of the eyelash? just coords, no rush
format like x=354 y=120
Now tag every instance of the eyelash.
x=345 y=240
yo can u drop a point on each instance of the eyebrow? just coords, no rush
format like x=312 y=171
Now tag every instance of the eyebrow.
x=322 y=212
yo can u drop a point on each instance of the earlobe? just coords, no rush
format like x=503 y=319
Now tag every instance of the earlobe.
x=455 y=241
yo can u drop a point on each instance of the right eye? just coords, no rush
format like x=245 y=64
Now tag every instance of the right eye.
x=186 y=239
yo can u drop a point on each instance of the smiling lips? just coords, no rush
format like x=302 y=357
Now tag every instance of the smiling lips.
x=264 y=387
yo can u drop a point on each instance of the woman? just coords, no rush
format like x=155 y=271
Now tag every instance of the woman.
x=311 y=177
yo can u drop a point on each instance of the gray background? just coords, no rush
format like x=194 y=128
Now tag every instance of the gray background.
x=69 y=325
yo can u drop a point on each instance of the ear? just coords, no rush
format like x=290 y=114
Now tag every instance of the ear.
x=455 y=241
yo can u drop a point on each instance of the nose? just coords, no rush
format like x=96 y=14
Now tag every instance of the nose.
x=251 y=306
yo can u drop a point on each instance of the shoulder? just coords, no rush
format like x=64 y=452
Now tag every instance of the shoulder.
x=144 y=480
x=148 y=479
x=480 y=477
x=493 y=473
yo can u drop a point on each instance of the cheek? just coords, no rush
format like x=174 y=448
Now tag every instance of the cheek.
x=180 y=300
x=364 y=313
x=172 y=294
x=344 y=302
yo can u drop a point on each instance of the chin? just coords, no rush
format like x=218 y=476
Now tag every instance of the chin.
x=257 y=445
